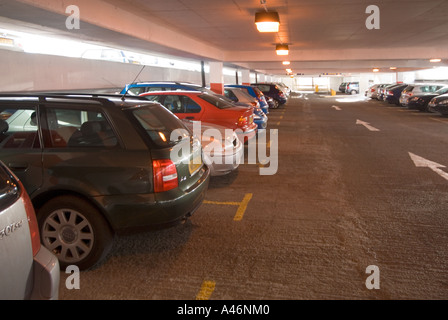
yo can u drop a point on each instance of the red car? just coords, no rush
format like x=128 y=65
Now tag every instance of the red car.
x=202 y=106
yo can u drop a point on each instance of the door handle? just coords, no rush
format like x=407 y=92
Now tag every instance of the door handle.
x=19 y=166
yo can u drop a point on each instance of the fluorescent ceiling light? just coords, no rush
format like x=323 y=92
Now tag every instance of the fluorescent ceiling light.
x=435 y=60
x=267 y=21
x=286 y=63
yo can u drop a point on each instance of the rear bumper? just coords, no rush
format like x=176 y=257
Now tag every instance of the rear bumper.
x=221 y=164
x=46 y=276
x=131 y=212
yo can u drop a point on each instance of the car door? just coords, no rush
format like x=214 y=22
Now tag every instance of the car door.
x=82 y=151
x=21 y=142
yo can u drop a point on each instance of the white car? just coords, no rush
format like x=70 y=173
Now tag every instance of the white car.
x=222 y=149
x=28 y=270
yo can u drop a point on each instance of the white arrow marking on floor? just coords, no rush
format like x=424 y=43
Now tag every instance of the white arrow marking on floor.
x=434 y=166
x=336 y=108
x=367 y=125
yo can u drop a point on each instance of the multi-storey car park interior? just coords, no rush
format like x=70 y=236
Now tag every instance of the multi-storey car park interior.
x=341 y=190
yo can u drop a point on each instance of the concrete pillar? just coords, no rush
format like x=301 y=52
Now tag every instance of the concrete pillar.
x=261 y=77
x=245 y=77
x=216 y=77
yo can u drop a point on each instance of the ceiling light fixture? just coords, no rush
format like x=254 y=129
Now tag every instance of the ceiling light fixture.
x=393 y=68
x=289 y=70
x=435 y=60
x=376 y=70
x=286 y=63
x=267 y=21
x=282 y=49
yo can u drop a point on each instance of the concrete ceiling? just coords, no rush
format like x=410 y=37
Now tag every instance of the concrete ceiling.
x=324 y=36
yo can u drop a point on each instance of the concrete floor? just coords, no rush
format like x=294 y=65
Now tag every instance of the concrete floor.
x=344 y=198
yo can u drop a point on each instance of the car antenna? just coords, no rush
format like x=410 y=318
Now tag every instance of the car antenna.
x=122 y=98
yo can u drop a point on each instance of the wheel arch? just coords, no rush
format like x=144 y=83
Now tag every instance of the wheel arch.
x=42 y=198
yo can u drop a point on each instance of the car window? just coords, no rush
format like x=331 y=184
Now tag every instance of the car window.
x=216 y=101
x=264 y=88
x=79 y=128
x=442 y=90
x=18 y=128
x=173 y=103
x=156 y=125
x=229 y=94
x=190 y=105
x=136 y=90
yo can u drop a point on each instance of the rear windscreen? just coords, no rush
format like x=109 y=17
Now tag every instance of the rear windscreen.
x=158 y=125
x=216 y=101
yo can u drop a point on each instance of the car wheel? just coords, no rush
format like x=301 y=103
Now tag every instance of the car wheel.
x=74 y=231
x=276 y=104
x=353 y=92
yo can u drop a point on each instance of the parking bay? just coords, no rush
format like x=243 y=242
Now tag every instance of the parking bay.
x=344 y=197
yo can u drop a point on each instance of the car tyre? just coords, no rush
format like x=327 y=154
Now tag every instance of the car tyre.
x=75 y=231
x=353 y=92
x=276 y=104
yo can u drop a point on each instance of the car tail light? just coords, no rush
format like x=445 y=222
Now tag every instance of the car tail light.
x=32 y=221
x=391 y=93
x=165 y=175
x=372 y=90
x=242 y=121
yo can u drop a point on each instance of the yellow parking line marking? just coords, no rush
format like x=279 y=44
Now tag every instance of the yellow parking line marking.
x=206 y=291
x=281 y=117
x=242 y=206
x=223 y=203
x=278 y=123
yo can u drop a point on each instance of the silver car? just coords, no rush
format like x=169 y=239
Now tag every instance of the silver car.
x=28 y=270
x=418 y=88
x=222 y=149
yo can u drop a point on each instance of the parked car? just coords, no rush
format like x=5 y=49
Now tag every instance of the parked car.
x=273 y=91
x=381 y=89
x=254 y=92
x=418 y=88
x=372 y=91
x=342 y=87
x=222 y=150
x=439 y=104
x=393 y=93
x=28 y=270
x=284 y=88
x=352 y=88
x=210 y=108
x=242 y=97
x=421 y=101
x=96 y=165
x=142 y=87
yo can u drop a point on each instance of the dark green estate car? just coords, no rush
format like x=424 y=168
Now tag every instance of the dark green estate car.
x=98 y=165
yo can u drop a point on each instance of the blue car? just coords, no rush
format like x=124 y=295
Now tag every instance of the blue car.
x=273 y=91
x=254 y=92
x=138 y=88
x=241 y=97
